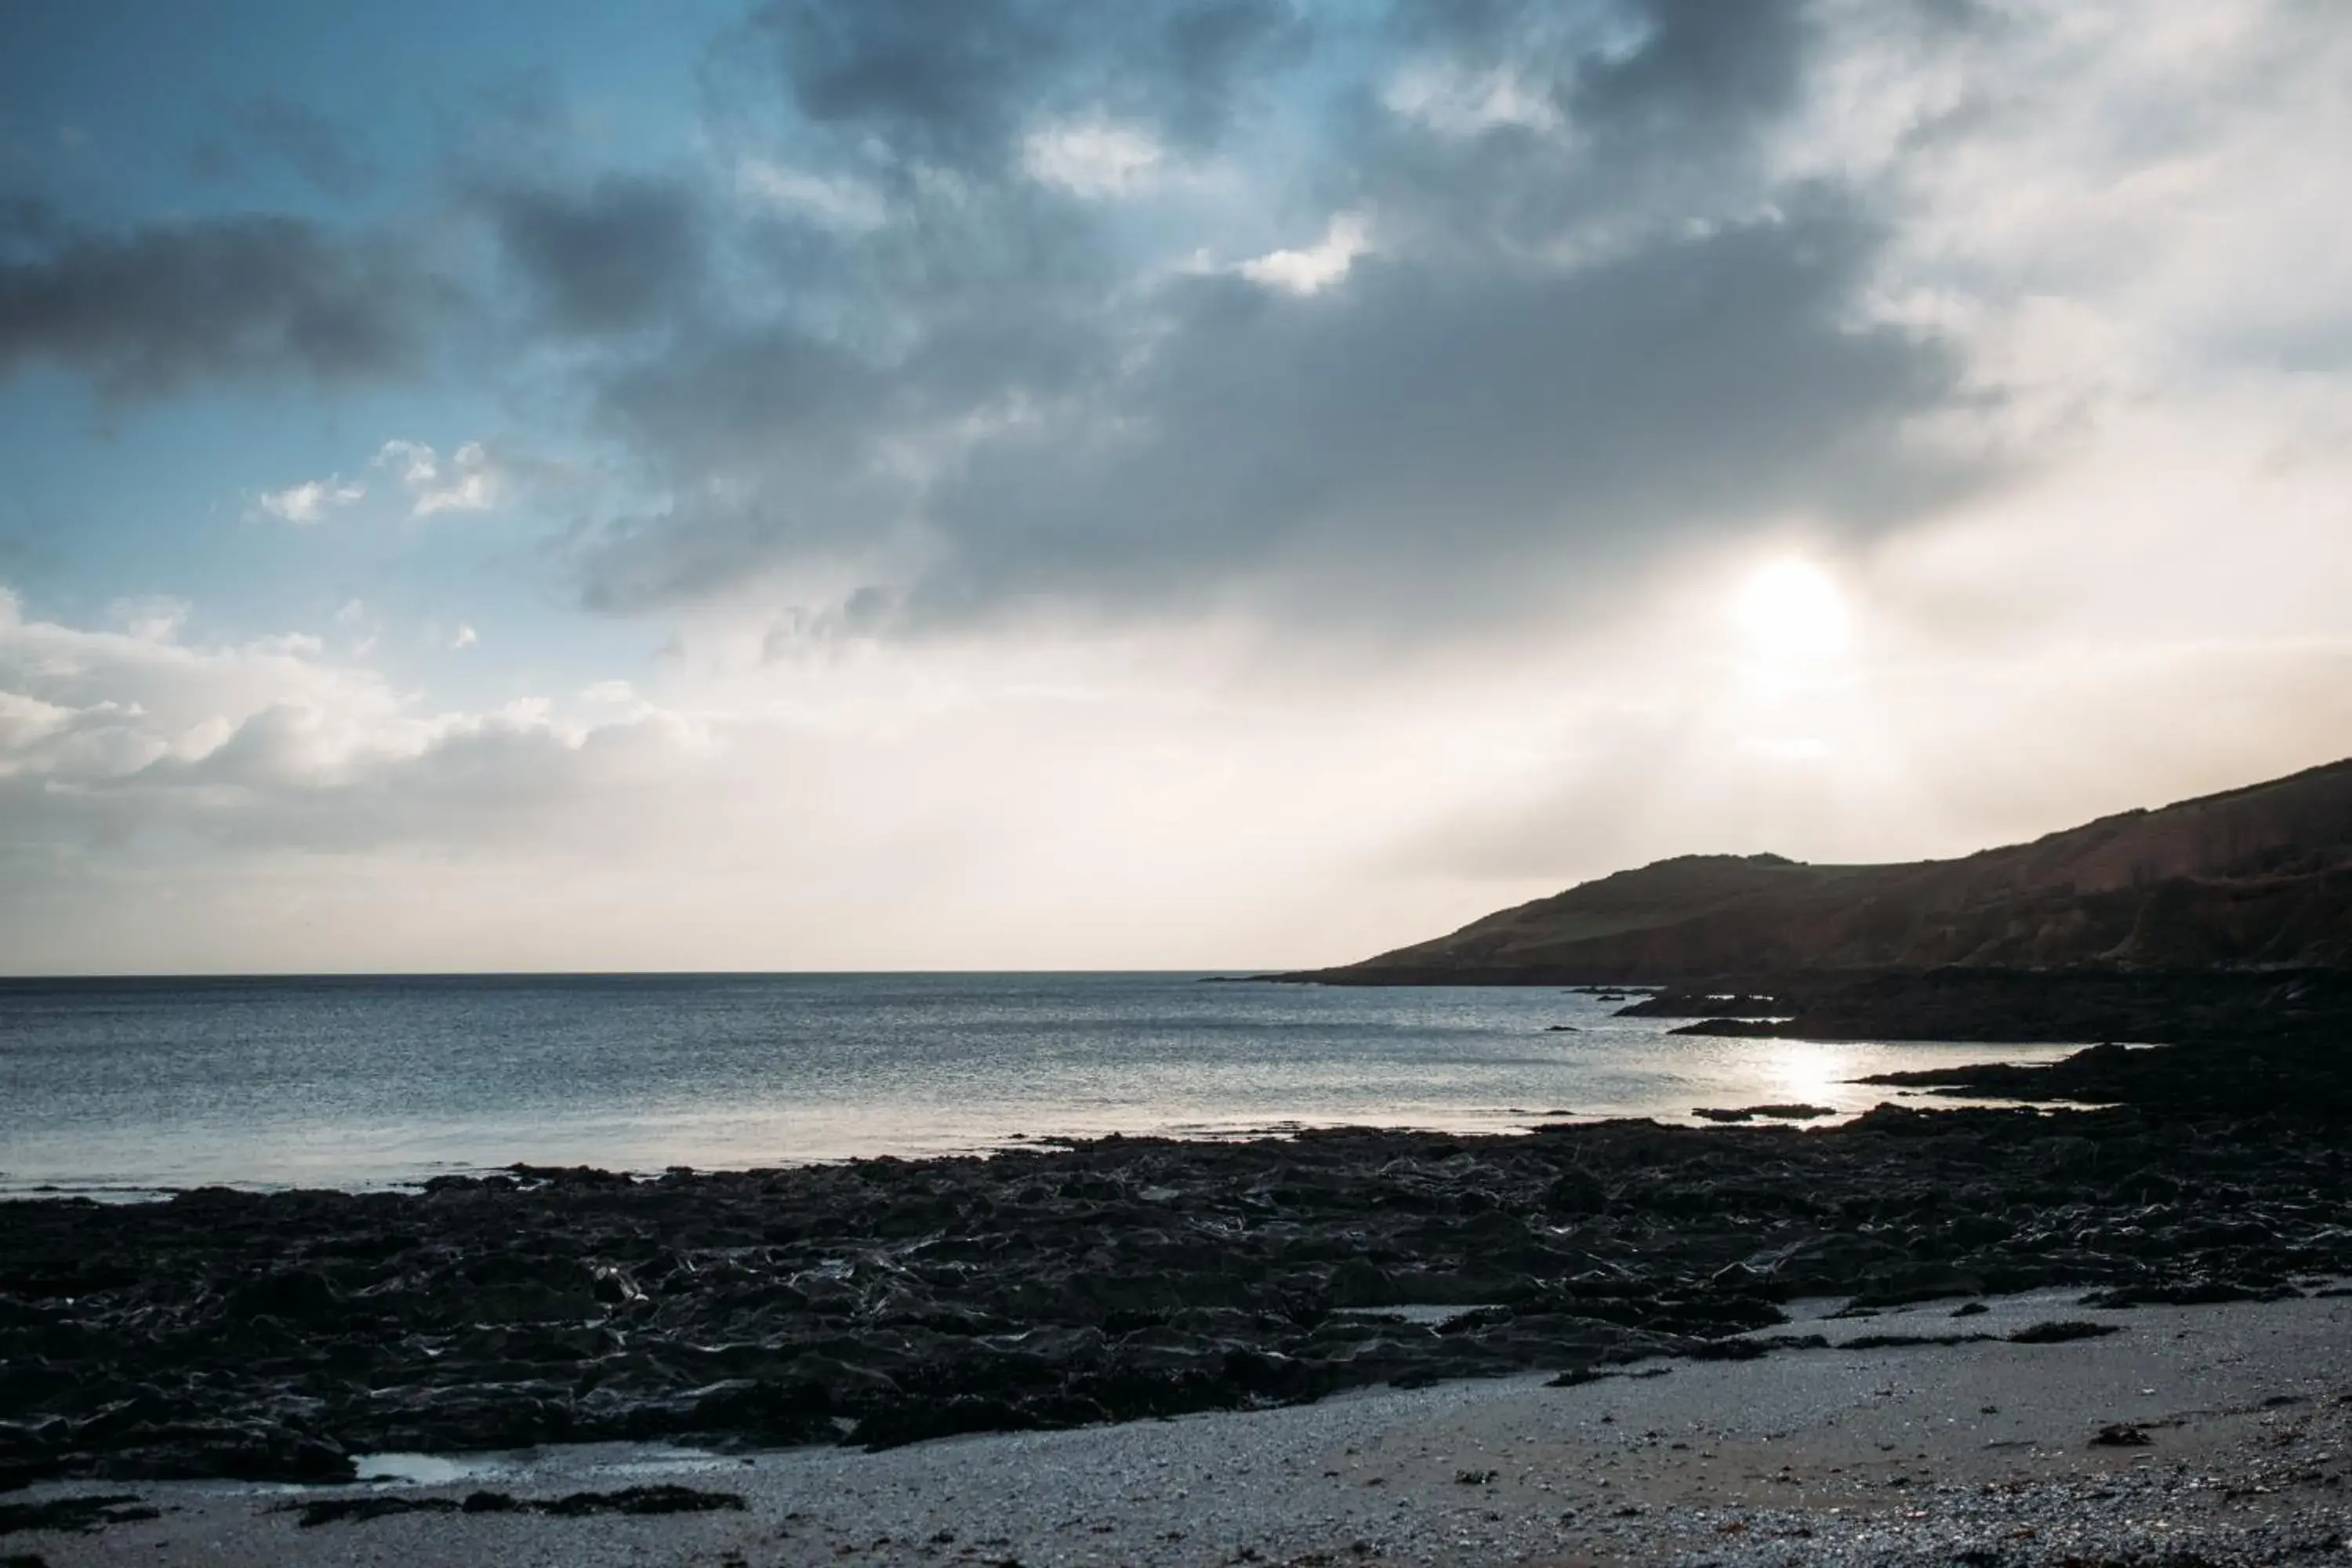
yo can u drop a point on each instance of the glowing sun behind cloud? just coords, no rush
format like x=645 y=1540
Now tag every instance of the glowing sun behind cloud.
x=1792 y=613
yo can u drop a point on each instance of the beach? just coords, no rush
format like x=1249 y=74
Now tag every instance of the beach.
x=1985 y=1452
x=275 y=1336
x=2107 y=1335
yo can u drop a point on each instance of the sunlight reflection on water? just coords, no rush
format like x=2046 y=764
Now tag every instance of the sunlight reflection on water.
x=365 y=1082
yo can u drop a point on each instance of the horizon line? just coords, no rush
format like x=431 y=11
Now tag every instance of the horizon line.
x=12 y=977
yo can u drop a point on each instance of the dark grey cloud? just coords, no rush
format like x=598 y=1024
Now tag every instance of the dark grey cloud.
x=1415 y=433
x=955 y=83
x=1668 y=104
x=1699 y=61
x=614 y=256
x=759 y=437
x=781 y=443
x=1570 y=337
x=1447 y=439
x=1630 y=66
x=1569 y=342
x=150 y=308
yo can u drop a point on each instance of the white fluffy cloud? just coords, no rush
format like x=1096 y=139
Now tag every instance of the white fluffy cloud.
x=1318 y=266
x=166 y=804
x=1123 y=800
x=1453 y=100
x=1093 y=157
x=467 y=481
x=310 y=500
x=836 y=202
x=107 y=735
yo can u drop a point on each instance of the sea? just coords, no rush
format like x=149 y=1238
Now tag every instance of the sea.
x=125 y=1088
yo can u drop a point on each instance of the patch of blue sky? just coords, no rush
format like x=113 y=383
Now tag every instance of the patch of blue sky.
x=120 y=112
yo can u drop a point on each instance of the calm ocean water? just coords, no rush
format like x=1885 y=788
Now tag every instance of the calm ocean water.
x=126 y=1086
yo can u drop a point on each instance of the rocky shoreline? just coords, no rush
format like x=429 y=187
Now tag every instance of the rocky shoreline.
x=884 y=1302
x=2203 y=1007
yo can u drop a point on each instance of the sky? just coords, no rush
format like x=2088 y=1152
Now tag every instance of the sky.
x=1025 y=484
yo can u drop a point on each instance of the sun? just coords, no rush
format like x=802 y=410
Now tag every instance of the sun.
x=1793 y=614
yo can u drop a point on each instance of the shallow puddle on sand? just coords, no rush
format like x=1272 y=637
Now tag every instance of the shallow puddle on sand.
x=426 y=1470
x=557 y=1463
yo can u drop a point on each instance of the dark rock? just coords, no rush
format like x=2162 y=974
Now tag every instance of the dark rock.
x=1576 y=1192
x=269 y=1336
x=2190 y=1292
x=638 y=1500
x=360 y=1509
x=1704 y=1004
x=1900 y=1342
x=81 y=1515
x=578 y=1505
x=2060 y=1332
x=1732 y=1029
x=1771 y=1112
x=1752 y=1349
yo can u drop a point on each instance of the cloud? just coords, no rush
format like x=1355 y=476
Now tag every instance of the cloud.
x=110 y=737
x=947 y=394
x=147 y=617
x=310 y=500
x=617 y=255
x=1598 y=314
x=1445 y=432
x=1697 y=67
x=1458 y=100
x=959 y=87
x=168 y=804
x=1318 y=267
x=837 y=201
x=469 y=484
x=153 y=308
x=1028 y=474
x=1092 y=157
x=467 y=480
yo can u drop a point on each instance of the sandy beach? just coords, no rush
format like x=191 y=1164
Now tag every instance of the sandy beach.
x=2230 y=1436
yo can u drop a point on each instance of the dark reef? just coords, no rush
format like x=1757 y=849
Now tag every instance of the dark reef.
x=638 y=1500
x=2218 y=1007
x=233 y=1334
